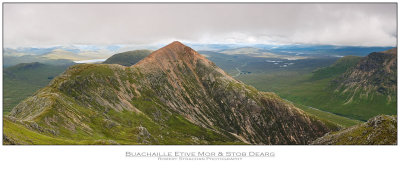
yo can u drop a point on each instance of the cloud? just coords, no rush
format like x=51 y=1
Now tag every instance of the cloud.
x=106 y=24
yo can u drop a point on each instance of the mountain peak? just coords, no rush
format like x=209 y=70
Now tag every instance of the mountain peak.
x=170 y=56
x=176 y=43
x=177 y=47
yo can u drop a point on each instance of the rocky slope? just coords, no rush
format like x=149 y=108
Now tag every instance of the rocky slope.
x=128 y=58
x=173 y=96
x=380 y=130
x=376 y=74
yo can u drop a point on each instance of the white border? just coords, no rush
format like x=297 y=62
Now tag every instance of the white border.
x=71 y=157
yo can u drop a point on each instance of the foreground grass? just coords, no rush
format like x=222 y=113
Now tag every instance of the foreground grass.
x=18 y=133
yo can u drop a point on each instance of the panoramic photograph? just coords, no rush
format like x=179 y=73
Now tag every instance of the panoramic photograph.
x=199 y=74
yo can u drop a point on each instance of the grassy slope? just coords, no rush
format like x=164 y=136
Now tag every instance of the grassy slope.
x=339 y=67
x=128 y=58
x=328 y=117
x=313 y=89
x=122 y=128
x=287 y=83
x=109 y=127
x=300 y=89
x=387 y=134
x=20 y=134
x=22 y=80
x=380 y=130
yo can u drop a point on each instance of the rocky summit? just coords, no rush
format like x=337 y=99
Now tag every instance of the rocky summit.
x=173 y=96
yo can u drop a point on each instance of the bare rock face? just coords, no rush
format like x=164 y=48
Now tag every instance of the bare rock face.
x=172 y=87
x=379 y=130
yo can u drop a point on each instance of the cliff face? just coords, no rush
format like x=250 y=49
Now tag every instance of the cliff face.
x=380 y=130
x=172 y=94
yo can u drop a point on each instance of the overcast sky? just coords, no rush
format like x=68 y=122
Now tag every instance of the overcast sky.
x=36 y=25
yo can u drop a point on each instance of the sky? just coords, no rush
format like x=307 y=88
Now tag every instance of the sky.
x=39 y=25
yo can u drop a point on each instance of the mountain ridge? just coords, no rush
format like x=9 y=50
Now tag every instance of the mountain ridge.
x=158 y=99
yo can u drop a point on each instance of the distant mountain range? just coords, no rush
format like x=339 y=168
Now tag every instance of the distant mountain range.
x=54 y=55
x=302 y=51
x=13 y=56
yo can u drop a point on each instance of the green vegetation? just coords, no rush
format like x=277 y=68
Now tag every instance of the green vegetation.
x=110 y=127
x=127 y=58
x=18 y=134
x=96 y=103
x=339 y=67
x=315 y=89
x=173 y=104
x=318 y=94
x=151 y=124
x=22 y=80
x=91 y=69
x=299 y=88
x=327 y=117
x=380 y=130
x=9 y=61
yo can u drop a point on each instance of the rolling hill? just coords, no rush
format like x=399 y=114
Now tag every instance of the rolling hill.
x=22 y=80
x=337 y=68
x=128 y=58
